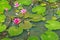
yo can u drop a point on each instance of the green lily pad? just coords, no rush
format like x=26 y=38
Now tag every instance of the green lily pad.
x=33 y=38
x=36 y=18
x=13 y=31
x=39 y=9
x=2 y=18
x=4 y=4
x=25 y=2
x=49 y=35
x=52 y=25
x=26 y=25
x=2 y=27
x=6 y=39
x=51 y=1
x=27 y=15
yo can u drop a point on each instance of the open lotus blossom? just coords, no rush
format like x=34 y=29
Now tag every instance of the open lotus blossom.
x=17 y=21
x=23 y=11
x=16 y=4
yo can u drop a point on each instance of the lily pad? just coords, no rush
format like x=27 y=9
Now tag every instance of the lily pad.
x=2 y=18
x=33 y=38
x=36 y=18
x=13 y=31
x=49 y=35
x=51 y=1
x=6 y=39
x=39 y=9
x=2 y=27
x=4 y=4
x=25 y=2
x=26 y=25
x=27 y=15
x=52 y=25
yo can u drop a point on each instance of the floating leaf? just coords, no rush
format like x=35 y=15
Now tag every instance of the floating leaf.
x=43 y=4
x=6 y=39
x=39 y=9
x=51 y=1
x=13 y=31
x=26 y=25
x=36 y=18
x=2 y=18
x=27 y=15
x=33 y=38
x=25 y=2
x=4 y=4
x=2 y=27
x=49 y=35
x=52 y=25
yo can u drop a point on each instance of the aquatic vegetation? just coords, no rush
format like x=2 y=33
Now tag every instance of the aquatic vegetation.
x=36 y=18
x=16 y=20
x=2 y=18
x=26 y=25
x=16 y=4
x=29 y=20
x=39 y=9
x=23 y=11
x=33 y=38
x=13 y=31
x=52 y=25
x=51 y=1
x=6 y=38
x=2 y=27
x=3 y=5
x=49 y=35
x=25 y=2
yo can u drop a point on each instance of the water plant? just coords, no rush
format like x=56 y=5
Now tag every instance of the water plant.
x=3 y=5
x=29 y=20
x=49 y=35
x=6 y=38
x=39 y=9
x=33 y=38
x=2 y=27
x=52 y=25
x=2 y=18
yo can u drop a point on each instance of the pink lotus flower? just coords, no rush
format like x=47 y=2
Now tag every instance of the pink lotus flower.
x=17 y=20
x=16 y=4
x=23 y=11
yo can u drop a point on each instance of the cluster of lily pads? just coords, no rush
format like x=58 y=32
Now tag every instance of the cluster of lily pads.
x=26 y=14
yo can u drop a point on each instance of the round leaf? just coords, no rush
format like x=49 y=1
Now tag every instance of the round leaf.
x=6 y=39
x=4 y=4
x=2 y=18
x=26 y=25
x=25 y=2
x=49 y=35
x=39 y=9
x=52 y=25
x=13 y=31
x=33 y=38
x=2 y=28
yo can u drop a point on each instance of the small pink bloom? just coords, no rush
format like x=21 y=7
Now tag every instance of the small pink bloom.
x=23 y=11
x=6 y=9
x=17 y=20
x=16 y=4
